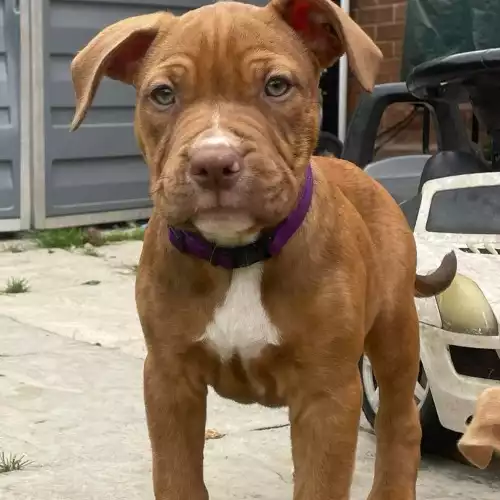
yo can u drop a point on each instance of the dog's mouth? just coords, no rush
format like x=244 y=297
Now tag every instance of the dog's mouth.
x=226 y=227
x=226 y=213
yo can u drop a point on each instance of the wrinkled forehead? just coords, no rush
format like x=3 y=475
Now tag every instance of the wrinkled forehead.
x=229 y=38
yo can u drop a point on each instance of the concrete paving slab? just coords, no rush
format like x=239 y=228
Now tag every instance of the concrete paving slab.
x=76 y=410
x=62 y=301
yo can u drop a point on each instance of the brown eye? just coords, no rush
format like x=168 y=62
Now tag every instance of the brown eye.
x=278 y=86
x=163 y=96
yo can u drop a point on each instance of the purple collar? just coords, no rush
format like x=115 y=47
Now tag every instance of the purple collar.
x=268 y=245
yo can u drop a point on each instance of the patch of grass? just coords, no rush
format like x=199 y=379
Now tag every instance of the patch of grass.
x=61 y=238
x=116 y=236
x=16 y=285
x=10 y=463
x=75 y=237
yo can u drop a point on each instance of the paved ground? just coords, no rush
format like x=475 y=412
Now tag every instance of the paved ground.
x=75 y=408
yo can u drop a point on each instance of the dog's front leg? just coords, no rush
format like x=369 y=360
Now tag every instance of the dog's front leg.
x=324 y=416
x=393 y=347
x=176 y=414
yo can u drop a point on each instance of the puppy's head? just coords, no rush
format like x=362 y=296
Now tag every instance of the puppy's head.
x=482 y=437
x=227 y=104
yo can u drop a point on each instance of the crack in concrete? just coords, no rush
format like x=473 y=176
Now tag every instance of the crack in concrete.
x=283 y=426
x=270 y=427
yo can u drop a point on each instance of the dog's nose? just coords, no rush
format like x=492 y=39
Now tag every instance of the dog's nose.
x=215 y=166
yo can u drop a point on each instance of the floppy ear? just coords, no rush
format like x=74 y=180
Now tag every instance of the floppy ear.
x=329 y=32
x=116 y=52
x=482 y=436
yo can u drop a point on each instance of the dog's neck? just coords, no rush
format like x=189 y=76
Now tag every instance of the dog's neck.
x=269 y=243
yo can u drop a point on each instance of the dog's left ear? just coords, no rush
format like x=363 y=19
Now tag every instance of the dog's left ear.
x=329 y=32
x=482 y=436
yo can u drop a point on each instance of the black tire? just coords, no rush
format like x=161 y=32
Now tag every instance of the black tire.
x=436 y=439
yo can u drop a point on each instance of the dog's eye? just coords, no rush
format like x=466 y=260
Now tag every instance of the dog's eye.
x=278 y=86
x=163 y=96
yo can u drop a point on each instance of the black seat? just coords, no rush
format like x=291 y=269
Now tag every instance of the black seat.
x=434 y=78
x=443 y=164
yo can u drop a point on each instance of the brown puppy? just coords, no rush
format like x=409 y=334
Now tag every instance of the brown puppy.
x=264 y=273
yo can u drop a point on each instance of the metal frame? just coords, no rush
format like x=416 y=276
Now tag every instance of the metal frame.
x=23 y=222
x=343 y=85
x=25 y=113
x=38 y=118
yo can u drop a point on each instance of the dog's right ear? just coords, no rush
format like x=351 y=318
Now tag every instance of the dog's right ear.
x=116 y=52
x=482 y=436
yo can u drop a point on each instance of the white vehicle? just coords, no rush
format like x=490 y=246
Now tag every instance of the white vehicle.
x=452 y=200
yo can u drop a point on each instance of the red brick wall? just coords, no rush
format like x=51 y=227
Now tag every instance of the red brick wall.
x=384 y=22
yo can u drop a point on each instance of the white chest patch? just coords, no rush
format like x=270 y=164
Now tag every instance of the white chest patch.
x=241 y=325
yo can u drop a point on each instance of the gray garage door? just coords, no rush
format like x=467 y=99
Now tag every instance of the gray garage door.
x=95 y=174
x=10 y=185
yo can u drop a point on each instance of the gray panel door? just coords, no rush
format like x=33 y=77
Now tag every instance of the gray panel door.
x=98 y=168
x=10 y=138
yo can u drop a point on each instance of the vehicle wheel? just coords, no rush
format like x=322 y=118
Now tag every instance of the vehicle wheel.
x=435 y=438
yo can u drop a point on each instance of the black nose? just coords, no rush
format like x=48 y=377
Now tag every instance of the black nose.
x=215 y=166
